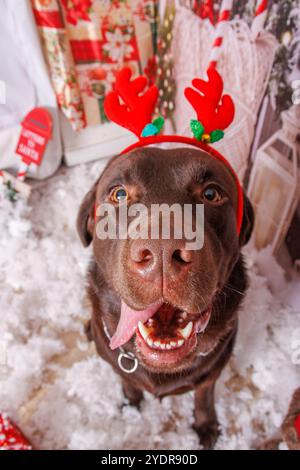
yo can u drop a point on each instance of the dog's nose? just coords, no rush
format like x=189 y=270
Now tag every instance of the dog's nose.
x=152 y=258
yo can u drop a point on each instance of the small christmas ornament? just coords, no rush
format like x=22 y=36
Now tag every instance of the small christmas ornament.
x=35 y=133
x=11 y=437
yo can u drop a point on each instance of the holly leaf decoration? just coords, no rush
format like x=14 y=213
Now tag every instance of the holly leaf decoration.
x=216 y=135
x=197 y=129
x=11 y=193
x=158 y=123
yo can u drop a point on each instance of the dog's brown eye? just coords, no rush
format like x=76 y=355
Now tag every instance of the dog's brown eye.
x=119 y=194
x=211 y=194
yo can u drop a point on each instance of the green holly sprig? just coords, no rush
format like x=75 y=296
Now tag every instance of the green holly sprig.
x=197 y=129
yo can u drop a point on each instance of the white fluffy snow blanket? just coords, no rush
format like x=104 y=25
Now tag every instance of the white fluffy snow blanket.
x=64 y=396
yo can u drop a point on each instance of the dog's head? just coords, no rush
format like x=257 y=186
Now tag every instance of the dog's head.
x=169 y=295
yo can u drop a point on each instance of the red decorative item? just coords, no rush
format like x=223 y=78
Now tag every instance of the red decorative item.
x=213 y=110
x=11 y=437
x=77 y=10
x=36 y=131
x=137 y=110
x=135 y=114
x=205 y=10
x=297 y=426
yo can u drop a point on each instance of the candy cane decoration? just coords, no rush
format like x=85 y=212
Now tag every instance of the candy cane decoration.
x=259 y=18
x=23 y=169
x=223 y=18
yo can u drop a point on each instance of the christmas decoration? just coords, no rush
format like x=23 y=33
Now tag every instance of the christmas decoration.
x=259 y=18
x=274 y=187
x=224 y=16
x=212 y=116
x=164 y=65
x=138 y=109
x=134 y=113
x=35 y=133
x=283 y=21
x=11 y=437
x=205 y=10
x=85 y=42
x=77 y=10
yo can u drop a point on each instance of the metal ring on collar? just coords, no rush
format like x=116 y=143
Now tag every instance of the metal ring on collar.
x=130 y=356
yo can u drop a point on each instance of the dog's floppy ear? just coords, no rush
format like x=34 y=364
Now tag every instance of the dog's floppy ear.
x=247 y=222
x=85 y=217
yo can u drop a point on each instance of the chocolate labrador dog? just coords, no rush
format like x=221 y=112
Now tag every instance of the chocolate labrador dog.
x=167 y=314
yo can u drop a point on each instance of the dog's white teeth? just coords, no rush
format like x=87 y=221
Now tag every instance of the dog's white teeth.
x=166 y=345
x=183 y=315
x=186 y=332
x=149 y=342
x=143 y=330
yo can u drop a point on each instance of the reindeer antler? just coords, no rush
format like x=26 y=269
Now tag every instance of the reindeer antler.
x=214 y=111
x=136 y=112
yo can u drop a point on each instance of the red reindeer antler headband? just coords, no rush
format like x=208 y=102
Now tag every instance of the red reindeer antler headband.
x=214 y=113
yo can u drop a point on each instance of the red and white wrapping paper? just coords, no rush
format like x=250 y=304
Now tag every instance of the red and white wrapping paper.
x=11 y=437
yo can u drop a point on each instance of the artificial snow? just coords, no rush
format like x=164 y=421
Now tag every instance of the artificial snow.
x=63 y=396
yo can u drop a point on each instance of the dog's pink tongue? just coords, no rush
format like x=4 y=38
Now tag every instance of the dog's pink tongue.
x=128 y=322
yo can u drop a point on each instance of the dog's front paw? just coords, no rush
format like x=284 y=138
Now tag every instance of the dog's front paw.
x=208 y=434
x=133 y=396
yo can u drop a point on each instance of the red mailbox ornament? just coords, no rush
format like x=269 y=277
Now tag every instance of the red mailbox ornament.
x=36 y=131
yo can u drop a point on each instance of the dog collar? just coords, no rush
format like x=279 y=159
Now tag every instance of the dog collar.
x=123 y=355
x=131 y=106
